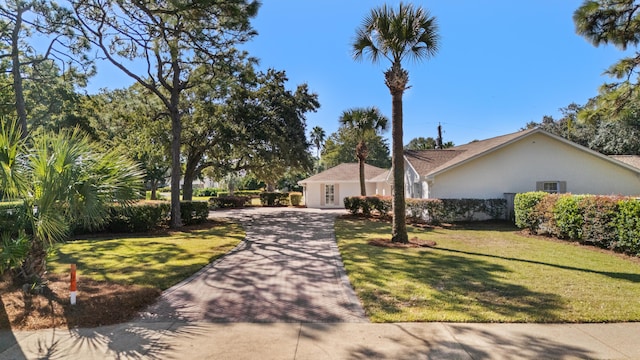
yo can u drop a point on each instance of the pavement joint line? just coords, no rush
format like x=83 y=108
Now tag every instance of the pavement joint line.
x=579 y=328
x=295 y=353
x=448 y=328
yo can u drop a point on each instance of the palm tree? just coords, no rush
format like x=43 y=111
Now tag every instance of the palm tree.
x=317 y=138
x=364 y=121
x=61 y=179
x=407 y=32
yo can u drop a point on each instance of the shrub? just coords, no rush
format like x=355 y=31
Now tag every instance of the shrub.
x=222 y=202
x=194 y=212
x=295 y=198
x=274 y=198
x=249 y=193
x=365 y=204
x=543 y=216
x=431 y=210
x=598 y=220
x=139 y=217
x=12 y=217
x=524 y=205
x=628 y=226
x=13 y=250
x=568 y=217
x=205 y=192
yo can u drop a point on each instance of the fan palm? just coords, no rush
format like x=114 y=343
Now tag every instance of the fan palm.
x=364 y=121
x=62 y=180
x=408 y=32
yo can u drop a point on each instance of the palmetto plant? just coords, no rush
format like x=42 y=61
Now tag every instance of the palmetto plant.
x=61 y=179
x=364 y=121
x=408 y=32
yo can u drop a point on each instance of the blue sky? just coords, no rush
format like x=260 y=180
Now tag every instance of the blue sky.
x=501 y=64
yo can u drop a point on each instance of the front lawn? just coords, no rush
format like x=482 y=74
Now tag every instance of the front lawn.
x=486 y=274
x=160 y=260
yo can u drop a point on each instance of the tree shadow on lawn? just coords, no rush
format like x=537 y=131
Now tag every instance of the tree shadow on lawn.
x=632 y=277
x=470 y=288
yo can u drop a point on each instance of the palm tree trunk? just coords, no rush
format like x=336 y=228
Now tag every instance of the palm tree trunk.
x=399 y=230
x=363 y=188
x=34 y=265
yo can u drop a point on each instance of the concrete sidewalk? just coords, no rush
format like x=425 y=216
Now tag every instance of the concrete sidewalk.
x=205 y=340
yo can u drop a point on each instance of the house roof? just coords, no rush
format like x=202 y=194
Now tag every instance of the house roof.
x=347 y=172
x=633 y=160
x=429 y=163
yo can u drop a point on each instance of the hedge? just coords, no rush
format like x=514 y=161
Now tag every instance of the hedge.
x=222 y=202
x=295 y=198
x=431 y=210
x=274 y=198
x=611 y=222
x=194 y=212
x=139 y=217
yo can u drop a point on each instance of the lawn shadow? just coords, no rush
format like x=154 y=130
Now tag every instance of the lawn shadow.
x=474 y=288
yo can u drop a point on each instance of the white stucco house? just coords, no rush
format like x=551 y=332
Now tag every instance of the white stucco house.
x=329 y=188
x=524 y=161
x=499 y=167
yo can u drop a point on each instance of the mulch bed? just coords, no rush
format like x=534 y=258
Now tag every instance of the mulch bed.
x=98 y=303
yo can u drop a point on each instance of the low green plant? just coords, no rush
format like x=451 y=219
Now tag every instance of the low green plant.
x=568 y=217
x=222 y=202
x=274 y=198
x=524 y=205
x=628 y=226
x=194 y=212
x=295 y=198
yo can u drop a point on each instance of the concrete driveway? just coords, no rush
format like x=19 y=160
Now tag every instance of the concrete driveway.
x=287 y=270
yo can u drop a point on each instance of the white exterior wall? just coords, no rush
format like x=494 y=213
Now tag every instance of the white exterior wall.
x=410 y=179
x=314 y=192
x=516 y=168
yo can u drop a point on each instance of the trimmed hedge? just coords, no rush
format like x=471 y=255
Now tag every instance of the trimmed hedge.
x=223 y=202
x=139 y=217
x=431 y=210
x=249 y=193
x=194 y=212
x=206 y=192
x=295 y=198
x=611 y=222
x=365 y=204
x=274 y=198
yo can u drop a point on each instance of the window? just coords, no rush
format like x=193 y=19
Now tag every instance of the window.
x=329 y=194
x=550 y=187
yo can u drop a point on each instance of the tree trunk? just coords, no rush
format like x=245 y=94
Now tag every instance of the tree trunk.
x=34 y=265
x=363 y=188
x=176 y=130
x=17 y=76
x=396 y=79
x=187 y=183
x=154 y=190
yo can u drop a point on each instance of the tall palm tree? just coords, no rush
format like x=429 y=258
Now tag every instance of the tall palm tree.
x=317 y=138
x=364 y=121
x=408 y=32
x=61 y=179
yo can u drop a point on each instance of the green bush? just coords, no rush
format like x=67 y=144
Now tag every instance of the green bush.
x=431 y=210
x=139 y=217
x=274 y=198
x=469 y=209
x=524 y=205
x=598 y=223
x=222 y=202
x=568 y=217
x=194 y=212
x=366 y=204
x=12 y=217
x=249 y=193
x=13 y=250
x=206 y=192
x=628 y=226
x=295 y=198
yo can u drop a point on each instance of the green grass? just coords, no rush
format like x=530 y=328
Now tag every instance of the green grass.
x=487 y=274
x=158 y=261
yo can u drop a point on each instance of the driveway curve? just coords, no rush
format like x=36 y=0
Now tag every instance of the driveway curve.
x=288 y=269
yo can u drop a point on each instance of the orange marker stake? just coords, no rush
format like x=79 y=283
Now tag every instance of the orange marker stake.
x=73 y=288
